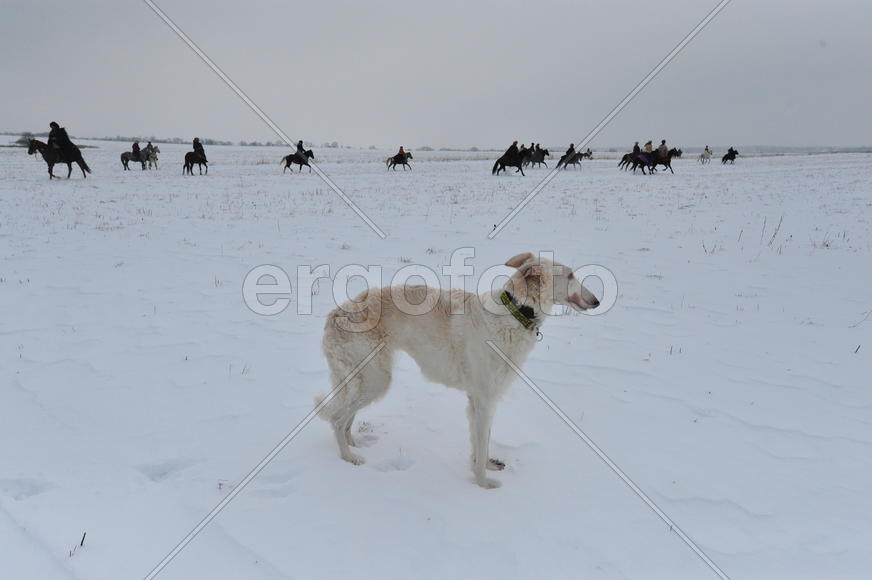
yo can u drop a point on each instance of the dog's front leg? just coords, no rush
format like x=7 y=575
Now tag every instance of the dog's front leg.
x=481 y=414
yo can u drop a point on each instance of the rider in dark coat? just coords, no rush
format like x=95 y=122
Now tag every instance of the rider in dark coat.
x=401 y=152
x=198 y=147
x=149 y=148
x=636 y=149
x=570 y=152
x=136 y=150
x=513 y=149
x=60 y=141
x=301 y=151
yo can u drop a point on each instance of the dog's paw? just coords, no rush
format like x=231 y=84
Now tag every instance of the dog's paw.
x=363 y=440
x=488 y=483
x=354 y=459
x=495 y=465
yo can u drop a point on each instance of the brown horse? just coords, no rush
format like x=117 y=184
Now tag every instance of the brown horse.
x=192 y=157
x=536 y=157
x=511 y=159
x=575 y=159
x=53 y=156
x=653 y=159
x=128 y=156
x=399 y=159
x=298 y=159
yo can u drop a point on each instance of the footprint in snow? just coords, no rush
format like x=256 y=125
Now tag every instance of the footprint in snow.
x=22 y=488
x=158 y=472
x=395 y=464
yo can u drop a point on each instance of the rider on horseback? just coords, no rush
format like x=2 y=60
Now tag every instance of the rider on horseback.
x=149 y=148
x=136 y=151
x=570 y=152
x=59 y=141
x=198 y=147
x=649 y=147
x=663 y=150
x=401 y=152
x=636 y=148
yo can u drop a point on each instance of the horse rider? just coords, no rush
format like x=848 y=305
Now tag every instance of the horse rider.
x=59 y=140
x=149 y=148
x=513 y=148
x=136 y=150
x=649 y=147
x=663 y=150
x=538 y=149
x=401 y=152
x=707 y=150
x=570 y=153
x=636 y=148
x=198 y=147
x=301 y=152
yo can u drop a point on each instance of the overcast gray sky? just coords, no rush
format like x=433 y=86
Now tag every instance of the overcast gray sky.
x=447 y=73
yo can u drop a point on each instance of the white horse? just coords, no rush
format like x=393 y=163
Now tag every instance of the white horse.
x=705 y=156
x=151 y=157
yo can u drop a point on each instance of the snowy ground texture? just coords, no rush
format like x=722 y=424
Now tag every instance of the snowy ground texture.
x=138 y=389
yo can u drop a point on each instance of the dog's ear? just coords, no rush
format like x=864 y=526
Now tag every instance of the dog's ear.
x=518 y=260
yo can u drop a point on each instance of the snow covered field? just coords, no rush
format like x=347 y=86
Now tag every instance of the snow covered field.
x=138 y=389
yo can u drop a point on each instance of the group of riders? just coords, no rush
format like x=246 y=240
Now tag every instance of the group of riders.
x=149 y=150
x=63 y=149
x=649 y=157
x=534 y=148
x=662 y=150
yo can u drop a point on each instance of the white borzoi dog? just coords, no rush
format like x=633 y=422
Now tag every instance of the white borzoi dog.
x=448 y=339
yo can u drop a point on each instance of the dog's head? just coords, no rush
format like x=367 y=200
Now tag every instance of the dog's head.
x=541 y=282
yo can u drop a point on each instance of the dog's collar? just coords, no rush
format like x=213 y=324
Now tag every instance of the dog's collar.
x=527 y=321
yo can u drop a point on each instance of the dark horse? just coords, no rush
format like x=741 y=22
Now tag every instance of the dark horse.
x=730 y=156
x=537 y=157
x=192 y=157
x=398 y=159
x=128 y=156
x=53 y=156
x=652 y=160
x=626 y=161
x=574 y=160
x=298 y=159
x=511 y=159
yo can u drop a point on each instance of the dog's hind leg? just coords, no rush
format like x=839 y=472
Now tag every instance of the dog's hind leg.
x=370 y=384
x=481 y=414
x=339 y=430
